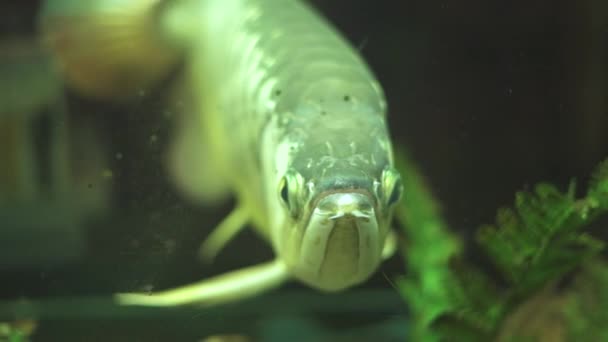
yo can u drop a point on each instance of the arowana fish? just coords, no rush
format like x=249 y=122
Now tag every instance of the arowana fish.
x=283 y=113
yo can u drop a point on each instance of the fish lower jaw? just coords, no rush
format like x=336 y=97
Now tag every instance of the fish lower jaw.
x=339 y=248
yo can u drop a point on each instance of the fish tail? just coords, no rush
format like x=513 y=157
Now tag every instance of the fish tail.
x=109 y=49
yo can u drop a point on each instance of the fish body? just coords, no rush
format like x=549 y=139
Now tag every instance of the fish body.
x=284 y=114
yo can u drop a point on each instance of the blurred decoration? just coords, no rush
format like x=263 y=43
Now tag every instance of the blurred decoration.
x=45 y=193
x=226 y=338
x=550 y=274
x=107 y=51
x=17 y=331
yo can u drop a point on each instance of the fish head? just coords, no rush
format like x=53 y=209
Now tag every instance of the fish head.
x=337 y=211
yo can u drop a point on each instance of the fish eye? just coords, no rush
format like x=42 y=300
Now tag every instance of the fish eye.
x=392 y=185
x=289 y=190
x=395 y=194
x=283 y=191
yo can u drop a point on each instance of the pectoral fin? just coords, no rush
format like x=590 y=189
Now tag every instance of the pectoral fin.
x=223 y=233
x=229 y=287
x=194 y=165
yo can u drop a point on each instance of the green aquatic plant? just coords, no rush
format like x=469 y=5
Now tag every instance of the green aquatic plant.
x=539 y=243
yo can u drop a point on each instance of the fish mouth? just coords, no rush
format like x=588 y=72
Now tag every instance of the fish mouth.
x=341 y=242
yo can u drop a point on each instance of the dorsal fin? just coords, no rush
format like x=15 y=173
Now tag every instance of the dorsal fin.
x=109 y=49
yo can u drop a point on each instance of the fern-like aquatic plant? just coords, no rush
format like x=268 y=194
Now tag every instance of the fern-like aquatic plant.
x=543 y=238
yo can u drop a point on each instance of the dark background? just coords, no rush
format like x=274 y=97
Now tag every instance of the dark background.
x=489 y=97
